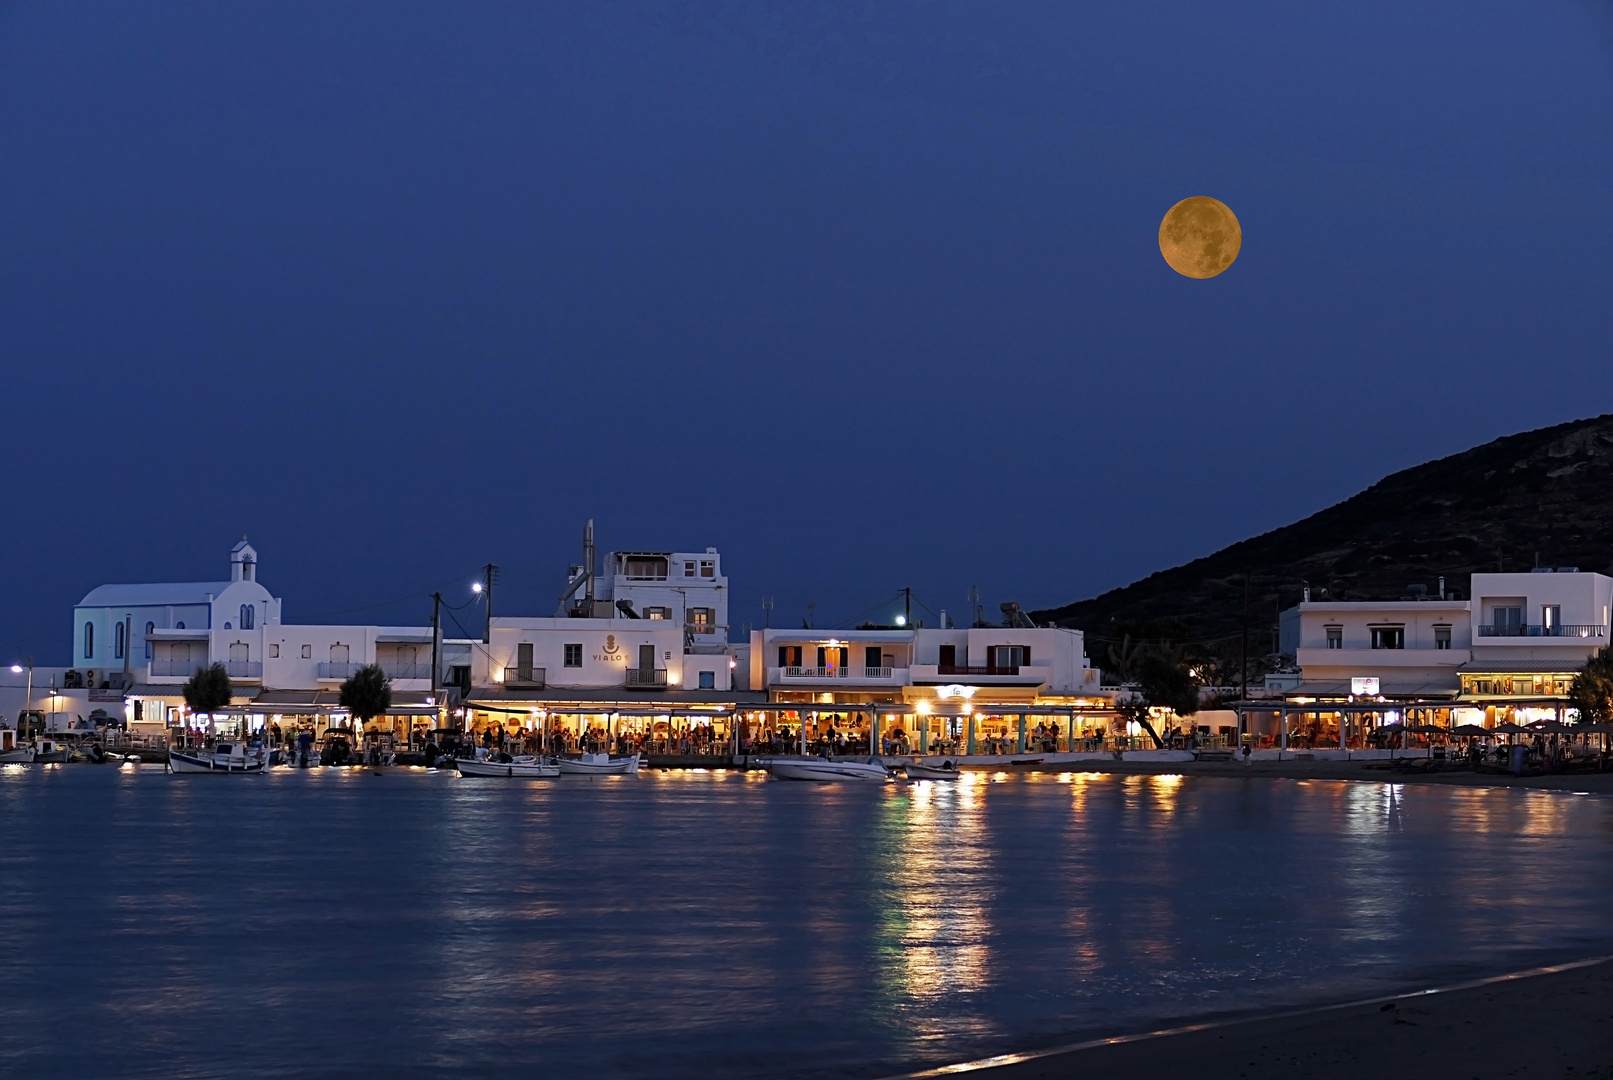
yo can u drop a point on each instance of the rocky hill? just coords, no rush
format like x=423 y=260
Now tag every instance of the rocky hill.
x=1545 y=494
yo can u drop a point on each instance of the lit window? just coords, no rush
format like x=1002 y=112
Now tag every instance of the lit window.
x=573 y=656
x=1388 y=637
x=1335 y=637
x=658 y=613
x=1442 y=637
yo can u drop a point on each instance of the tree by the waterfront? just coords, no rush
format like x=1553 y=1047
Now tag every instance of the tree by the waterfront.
x=209 y=690
x=1592 y=689
x=1162 y=680
x=366 y=694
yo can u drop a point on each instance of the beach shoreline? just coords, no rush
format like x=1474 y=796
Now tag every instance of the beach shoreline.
x=1550 y=1021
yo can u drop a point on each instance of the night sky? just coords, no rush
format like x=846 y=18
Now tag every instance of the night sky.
x=865 y=295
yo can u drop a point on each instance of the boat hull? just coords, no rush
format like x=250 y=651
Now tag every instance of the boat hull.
x=822 y=770
x=591 y=765
x=196 y=764
x=945 y=771
x=513 y=770
x=23 y=755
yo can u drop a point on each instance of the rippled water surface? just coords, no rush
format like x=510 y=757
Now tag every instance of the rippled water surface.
x=342 y=923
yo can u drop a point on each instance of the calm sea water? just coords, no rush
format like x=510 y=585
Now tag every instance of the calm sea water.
x=340 y=923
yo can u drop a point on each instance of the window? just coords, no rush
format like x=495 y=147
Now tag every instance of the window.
x=658 y=613
x=180 y=625
x=274 y=651
x=149 y=628
x=1008 y=656
x=307 y=652
x=1507 y=621
x=1442 y=637
x=708 y=680
x=248 y=616
x=708 y=568
x=1551 y=619
x=789 y=656
x=1388 y=637
x=1335 y=637
x=688 y=569
x=89 y=640
x=645 y=567
x=573 y=655
x=699 y=619
x=340 y=653
x=118 y=633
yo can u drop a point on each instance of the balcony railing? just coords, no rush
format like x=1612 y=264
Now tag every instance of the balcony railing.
x=976 y=669
x=343 y=670
x=646 y=676
x=420 y=669
x=528 y=677
x=244 y=669
x=173 y=668
x=703 y=628
x=817 y=673
x=1569 y=630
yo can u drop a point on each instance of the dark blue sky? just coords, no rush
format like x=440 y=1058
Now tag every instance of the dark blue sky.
x=865 y=295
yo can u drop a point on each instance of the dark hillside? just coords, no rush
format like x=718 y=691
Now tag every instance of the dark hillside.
x=1495 y=507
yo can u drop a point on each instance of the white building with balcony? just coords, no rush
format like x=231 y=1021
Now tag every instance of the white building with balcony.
x=1019 y=665
x=1515 y=643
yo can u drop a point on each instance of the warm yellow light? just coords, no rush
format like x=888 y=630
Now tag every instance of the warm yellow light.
x=924 y=706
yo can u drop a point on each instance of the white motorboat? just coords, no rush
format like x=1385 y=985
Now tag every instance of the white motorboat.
x=223 y=758
x=22 y=755
x=599 y=765
x=524 y=767
x=823 y=769
x=947 y=770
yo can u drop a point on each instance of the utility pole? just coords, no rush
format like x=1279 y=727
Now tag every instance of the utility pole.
x=1243 y=692
x=767 y=612
x=489 y=575
x=436 y=641
x=907 y=607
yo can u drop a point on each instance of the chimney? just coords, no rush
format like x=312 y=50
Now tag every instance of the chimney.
x=1442 y=588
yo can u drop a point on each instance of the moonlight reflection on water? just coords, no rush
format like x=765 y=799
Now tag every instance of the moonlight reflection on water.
x=700 y=924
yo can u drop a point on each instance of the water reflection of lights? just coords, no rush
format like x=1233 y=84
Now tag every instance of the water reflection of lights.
x=936 y=930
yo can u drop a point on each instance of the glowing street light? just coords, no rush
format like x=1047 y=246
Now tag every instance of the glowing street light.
x=476 y=587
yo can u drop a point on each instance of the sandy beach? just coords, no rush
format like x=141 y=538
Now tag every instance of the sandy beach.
x=1548 y=1023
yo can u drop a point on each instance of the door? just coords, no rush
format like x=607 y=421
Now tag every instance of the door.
x=646 y=657
x=949 y=657
x=874 y=658
x=523 y=661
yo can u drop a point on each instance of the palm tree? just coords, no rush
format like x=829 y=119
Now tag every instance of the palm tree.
x=1592 y=689
x=366 y=694
x=208 y=690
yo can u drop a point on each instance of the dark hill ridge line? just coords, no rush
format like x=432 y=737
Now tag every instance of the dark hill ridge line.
x=1548 y=491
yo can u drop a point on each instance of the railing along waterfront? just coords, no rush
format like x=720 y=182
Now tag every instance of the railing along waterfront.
x=1570 y=630
x=646 y=677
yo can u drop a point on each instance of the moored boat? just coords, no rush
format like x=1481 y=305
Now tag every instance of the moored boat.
x=599 y=765
x=223 y=758
x=525 y=767
x=22 y=755
x=947 y=770
x=825 y=770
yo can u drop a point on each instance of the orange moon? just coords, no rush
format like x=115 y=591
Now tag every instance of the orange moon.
x=1200 y=237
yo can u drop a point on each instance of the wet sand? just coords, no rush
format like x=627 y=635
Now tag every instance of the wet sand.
x=1553 y=1024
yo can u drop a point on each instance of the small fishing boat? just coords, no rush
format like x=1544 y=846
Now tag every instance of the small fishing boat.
x=223 y=758
x=22 y=755
x=824 y=770
x=947 y=770
x=524 y=767
x=599 y=765
x=49 y=752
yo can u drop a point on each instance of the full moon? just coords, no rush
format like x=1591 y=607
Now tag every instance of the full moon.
x=1200 y=237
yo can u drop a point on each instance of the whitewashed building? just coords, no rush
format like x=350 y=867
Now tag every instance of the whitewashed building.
x=1514 y=644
